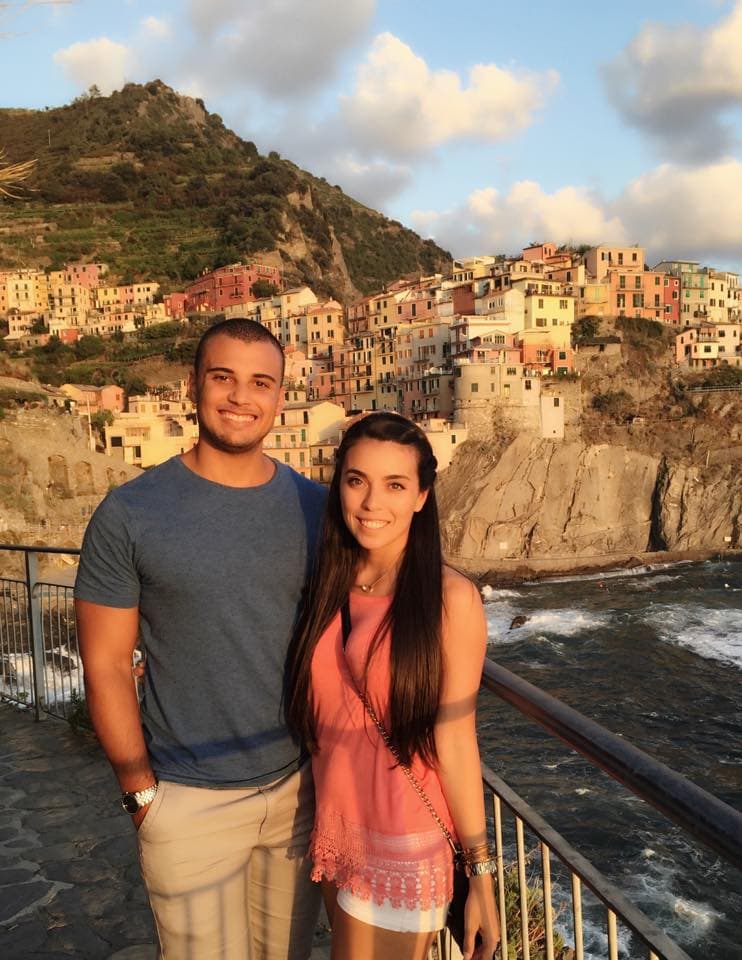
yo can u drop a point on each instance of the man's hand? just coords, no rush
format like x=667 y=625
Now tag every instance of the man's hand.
x=136 y=818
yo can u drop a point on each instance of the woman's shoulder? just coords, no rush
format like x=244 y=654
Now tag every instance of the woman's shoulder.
x=458 y=590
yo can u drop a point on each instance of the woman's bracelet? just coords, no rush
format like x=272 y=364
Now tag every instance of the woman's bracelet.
x=479 y=860
x=481 y=867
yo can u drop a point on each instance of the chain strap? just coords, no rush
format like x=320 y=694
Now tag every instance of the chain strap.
x=405 y=769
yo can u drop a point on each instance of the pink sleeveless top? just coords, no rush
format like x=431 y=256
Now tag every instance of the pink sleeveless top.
x=373 y=835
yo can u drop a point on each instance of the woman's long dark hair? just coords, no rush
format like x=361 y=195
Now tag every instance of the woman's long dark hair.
x=416 y=609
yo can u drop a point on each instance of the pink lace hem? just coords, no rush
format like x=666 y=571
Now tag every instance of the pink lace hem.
x=413 y=871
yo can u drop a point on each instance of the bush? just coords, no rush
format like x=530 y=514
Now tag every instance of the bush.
x=613 y=403
x=586 y=328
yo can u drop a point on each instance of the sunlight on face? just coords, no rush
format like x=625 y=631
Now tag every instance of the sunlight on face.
x=380 y=494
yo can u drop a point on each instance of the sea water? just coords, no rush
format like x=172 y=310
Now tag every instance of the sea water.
x=656 y=657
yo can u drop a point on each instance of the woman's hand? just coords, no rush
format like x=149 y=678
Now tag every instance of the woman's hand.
x=480 y=917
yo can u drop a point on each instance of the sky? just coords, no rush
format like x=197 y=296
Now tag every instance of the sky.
x=486 y=125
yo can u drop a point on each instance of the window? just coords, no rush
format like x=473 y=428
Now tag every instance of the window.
x=475 y=388
x=527 y=384
x=511 y=371
x=622 y=281
x=541 y=321
x=117 y=441
x=556 y=401
x=562 y=304
x=541 y=303
x=287 y=458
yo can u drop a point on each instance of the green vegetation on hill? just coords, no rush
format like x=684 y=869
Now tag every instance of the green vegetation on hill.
x=156 y=186
x=97 y=361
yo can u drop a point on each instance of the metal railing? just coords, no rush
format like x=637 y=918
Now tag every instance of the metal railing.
x=540 y=884
x=40 y=663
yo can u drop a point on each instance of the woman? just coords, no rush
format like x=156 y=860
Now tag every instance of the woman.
x=413 y=645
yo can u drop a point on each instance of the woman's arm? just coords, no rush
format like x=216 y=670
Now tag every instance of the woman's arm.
x=464 y=640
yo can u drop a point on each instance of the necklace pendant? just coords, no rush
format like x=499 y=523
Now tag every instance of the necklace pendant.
x=365 y=588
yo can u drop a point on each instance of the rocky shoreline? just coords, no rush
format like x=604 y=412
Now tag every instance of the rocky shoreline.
x=512 y=573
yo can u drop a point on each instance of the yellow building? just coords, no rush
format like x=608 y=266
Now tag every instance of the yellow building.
x=548 y=315
x=593 y=299
x=152 y=430
x=600 y=260
x=299 y=428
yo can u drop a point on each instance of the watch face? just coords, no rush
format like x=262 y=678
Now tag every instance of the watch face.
x=129 y=803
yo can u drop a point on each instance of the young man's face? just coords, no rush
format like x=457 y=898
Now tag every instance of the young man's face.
x=237 y=392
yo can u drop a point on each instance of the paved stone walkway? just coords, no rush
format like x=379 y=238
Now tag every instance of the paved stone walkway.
x=69 y=878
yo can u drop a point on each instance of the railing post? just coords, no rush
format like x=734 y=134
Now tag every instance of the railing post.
x=35 y=633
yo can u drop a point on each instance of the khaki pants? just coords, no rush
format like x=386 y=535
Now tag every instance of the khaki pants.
x=227 y=870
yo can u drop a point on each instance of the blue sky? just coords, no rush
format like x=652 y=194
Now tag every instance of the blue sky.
x=485 y=125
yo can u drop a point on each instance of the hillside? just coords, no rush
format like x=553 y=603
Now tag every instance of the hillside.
x=153 y=184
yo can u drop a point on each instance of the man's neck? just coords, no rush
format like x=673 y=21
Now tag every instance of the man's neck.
x=249 y=469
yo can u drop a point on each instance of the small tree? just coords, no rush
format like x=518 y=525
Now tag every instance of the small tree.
x=262 y=289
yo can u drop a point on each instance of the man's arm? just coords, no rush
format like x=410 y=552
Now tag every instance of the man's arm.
x=107 y=638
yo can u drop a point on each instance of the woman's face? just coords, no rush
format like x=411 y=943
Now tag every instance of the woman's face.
x=380 y=493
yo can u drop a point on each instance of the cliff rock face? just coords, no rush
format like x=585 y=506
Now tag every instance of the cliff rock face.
x=544 y=499
x=50 y=480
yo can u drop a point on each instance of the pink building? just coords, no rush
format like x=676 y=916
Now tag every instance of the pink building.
x=175 y=304
x=546 y=358
x=92 y=399
x=85 y=274
x=671 y=289
x=227 y=286
x=647 y=294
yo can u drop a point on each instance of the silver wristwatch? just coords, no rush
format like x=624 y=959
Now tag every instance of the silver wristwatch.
x=133 y=802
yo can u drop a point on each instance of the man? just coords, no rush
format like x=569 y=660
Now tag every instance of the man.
x=205 y=556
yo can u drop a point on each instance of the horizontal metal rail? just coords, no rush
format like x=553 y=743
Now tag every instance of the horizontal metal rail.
x=698 y=812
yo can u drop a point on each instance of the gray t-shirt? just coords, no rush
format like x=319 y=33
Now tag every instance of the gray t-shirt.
x=217 y=573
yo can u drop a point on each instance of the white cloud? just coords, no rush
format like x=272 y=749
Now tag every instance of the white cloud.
x=687 y=212
x=281 y=48
x=672 y=211
x=400 y=107
x=102 y=62
x=676 y=83
x=155 y=28
x=492 y=222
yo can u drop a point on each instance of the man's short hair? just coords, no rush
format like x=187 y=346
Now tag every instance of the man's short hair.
x=239 y=328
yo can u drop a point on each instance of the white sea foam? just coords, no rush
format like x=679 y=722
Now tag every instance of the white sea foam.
x=655 y=892
x=58 y=684
x=492 y=594
x=642 y=570
x=542 y=624
x=651 y=584
x=712 y=633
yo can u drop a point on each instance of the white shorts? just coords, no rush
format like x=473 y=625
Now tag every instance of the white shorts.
x=399 y=919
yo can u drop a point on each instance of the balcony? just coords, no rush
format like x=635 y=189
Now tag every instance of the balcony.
x=551 y=887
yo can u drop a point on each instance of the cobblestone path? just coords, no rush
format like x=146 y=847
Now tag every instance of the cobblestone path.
x=69 y=878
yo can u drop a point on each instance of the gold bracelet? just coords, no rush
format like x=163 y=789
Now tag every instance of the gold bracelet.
x=478 y=852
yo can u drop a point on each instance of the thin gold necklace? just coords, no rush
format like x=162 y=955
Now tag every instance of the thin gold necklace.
x=369 y=587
